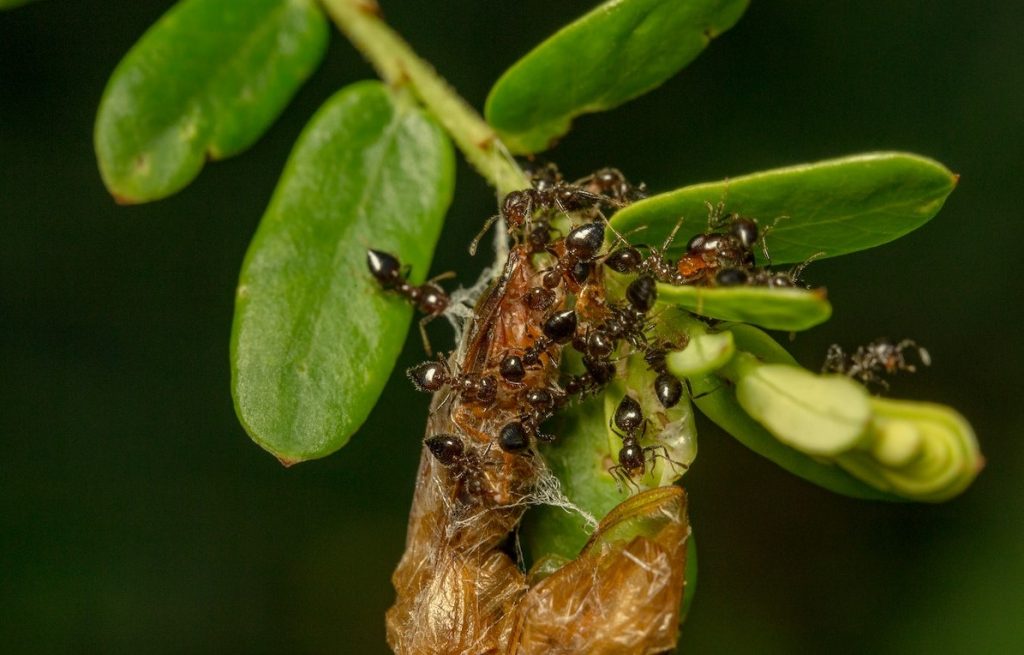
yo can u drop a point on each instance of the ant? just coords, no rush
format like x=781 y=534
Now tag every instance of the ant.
x=520 y=208
x=431 y=376
x=869 y=362
x=559 y=328
x=514 y=437
x=581 y=248
x=610 y=182
x=599 y=372
x=729 y=249
x=446 y=448
x=428 y=297
x=631 y=425
x=629 y=259
x=667 y=387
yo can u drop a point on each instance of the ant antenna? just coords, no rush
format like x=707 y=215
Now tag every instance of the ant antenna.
x=764 y=236
x=480 y=235
x=672 y=235
x=798 y=270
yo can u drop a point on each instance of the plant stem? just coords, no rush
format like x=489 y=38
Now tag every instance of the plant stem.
x=397 y=64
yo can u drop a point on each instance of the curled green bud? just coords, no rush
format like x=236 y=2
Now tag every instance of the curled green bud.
x=703 y=354
x=920 y=451
x=820 y=415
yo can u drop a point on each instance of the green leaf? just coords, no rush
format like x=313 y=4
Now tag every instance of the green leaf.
x=771 y=308
x=716 y=399
x=314 y=337
x=832 y=207
x=618 y=51
x=204 y=82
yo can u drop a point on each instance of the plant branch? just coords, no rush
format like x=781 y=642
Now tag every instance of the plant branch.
x=397 y=64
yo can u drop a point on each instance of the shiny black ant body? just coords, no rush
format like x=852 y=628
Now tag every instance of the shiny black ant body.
x=764 y=276
x=428 y=297
x=582 y=245
x=599 y=372
x=630 y=424
x=524 y=210
x=448 y=449
x=559 y=328
x=432 y=376
x=870 y=362
x=667 y=387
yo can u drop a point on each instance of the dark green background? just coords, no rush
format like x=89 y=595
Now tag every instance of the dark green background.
x=136 y=516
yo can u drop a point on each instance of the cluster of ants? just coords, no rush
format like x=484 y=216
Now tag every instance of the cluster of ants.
x=508 y=380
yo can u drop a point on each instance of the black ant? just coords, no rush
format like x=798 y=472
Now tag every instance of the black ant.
x=559 y=328
x=514 y=437
x=581 y=248
x=520 y=208
x=667 y=387
x=428 y=297
x=432 y=376
x=446 y=448
x=869 y=362
x=712 y=251
x=631 y=425
x=599 y=372
x=611 y=183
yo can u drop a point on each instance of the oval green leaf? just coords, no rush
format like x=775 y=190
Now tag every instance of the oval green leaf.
x=771 y=308
x=314 y=337
x=832 y=207
x=618 y=51
x=716 y=399
x=204 y=82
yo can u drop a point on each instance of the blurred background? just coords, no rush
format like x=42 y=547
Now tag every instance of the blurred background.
x=137 y=516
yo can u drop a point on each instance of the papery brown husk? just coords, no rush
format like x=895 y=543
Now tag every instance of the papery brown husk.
x=458 y=592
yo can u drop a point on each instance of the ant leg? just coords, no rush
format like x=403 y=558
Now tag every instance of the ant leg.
x=689 y=389
x=423 y=333
x=676 y=466
x=447 y=275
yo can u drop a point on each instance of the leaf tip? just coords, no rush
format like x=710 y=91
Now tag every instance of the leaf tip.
x=286 y=462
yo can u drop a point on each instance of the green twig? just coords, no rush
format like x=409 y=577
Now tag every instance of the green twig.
x=397 y=64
